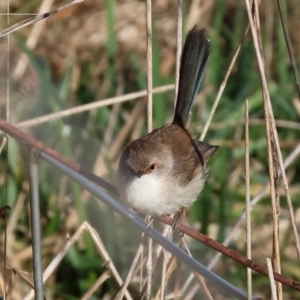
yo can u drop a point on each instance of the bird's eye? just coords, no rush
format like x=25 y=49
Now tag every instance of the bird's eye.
x=151 y=168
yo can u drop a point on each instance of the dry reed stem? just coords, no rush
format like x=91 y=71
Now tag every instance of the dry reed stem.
x=178 y=273
x=223 y=85
x=285 y=181
x=289 y=45
x=163 y=275
x=99 y=165
x=271 y=279
x=269 y=23
x=186 y=286
x=3 y=143
x=25 y=276
x=4 y=214
x=194 y=14
x=142 y=269
x=9 y=293
x=2 y=283
x=272 y=134
x=7 y=76
x=104 y=254
x=288 y=198
x=200 y=280
x=149 y=125
x=255 y=29
x=149 y=66
x=37 y=18
x=287 y=162
x=271 y=130
x=166 y=259
x=288 y=144
x=90 y=106
x=104 y=276
x=178 y=46
x=158 y=252
x=32 y=39
x=296 y=104
x=6 y=159
x=248 y=204
x=170 y=270
x=253 y=122
x=130 y=273
x=149 y=264
x=103 y=151
x=18 y=209
x=139 y=253
x=85 y=226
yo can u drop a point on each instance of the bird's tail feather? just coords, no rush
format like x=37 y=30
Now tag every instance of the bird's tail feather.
x=194 y=56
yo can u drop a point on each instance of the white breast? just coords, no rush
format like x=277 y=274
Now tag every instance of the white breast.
x=151 y=195
x=146 y=194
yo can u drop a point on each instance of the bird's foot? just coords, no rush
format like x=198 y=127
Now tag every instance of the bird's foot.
x=177 y=220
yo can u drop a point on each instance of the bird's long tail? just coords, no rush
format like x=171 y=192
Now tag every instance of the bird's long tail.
x=194 y=56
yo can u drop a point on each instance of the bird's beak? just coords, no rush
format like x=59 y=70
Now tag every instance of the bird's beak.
x=139 y=173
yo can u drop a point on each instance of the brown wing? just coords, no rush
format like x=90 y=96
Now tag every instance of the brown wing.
x=206 y=150
x=191 y=154
x=187 y=158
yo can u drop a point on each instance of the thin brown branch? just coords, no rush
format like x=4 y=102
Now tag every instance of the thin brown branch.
x=231 y=253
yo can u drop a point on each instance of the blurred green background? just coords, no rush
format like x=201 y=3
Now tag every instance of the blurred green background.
x=96 y=50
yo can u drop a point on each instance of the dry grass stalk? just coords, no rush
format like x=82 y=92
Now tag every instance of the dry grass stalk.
x=273 y=131
x=169 y=272
x=223 y=85
x=104 y=276
x=149 y=67
x=289 y=44
x=37 y=18
x=271 y=134
x=99 y=167
x=254 y=122
x=288 y=162
x=178 y=46
x=85 y=226
x=271 y=278
x=201 y=282
x=32 y=39
x=130 y=273
x=91 y=106
x=149 y=126
x=178 y=273
x=248 y=204
x=3 y=143
x=163 y=275
x=16 y=212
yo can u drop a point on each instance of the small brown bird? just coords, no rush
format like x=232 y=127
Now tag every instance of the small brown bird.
x=164 y=171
